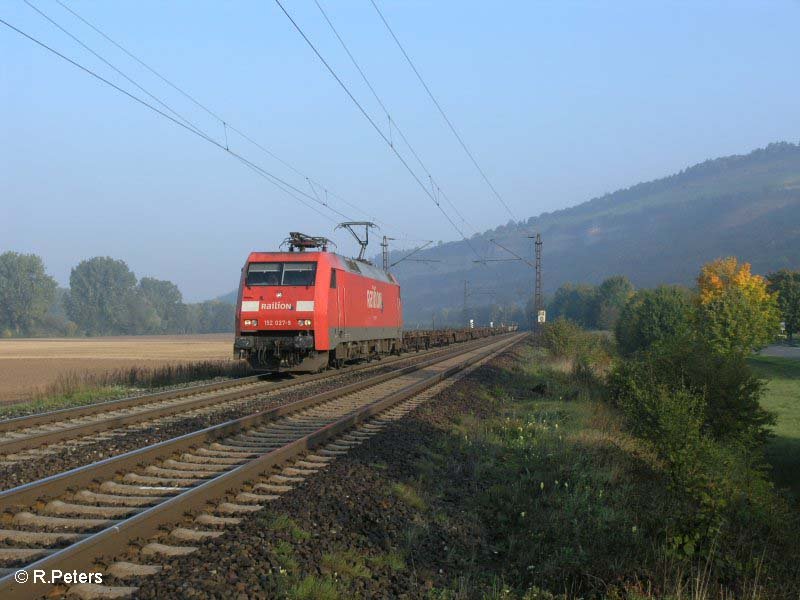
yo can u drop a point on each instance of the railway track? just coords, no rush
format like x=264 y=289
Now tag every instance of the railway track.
x=22 y=438
x=136 y=504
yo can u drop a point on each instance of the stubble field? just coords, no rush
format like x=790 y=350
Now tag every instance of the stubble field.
x=30 y=364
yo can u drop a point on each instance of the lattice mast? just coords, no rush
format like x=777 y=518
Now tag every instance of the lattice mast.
x=538 y=304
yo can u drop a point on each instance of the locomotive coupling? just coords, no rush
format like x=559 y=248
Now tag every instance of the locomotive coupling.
x=243 y=343
x=250 y=342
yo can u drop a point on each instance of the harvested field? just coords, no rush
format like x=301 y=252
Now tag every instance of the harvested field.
x=30 y=364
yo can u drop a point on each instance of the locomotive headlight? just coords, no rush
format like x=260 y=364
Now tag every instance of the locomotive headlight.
x=251 y=322
x=308 y=321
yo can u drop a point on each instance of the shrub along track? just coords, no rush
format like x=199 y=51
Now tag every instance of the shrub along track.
x=219 y=474
x=57 y=440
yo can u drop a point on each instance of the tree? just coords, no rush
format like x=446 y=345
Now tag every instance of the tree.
x=26 y=291
x=573 y=302
x=211 y=316
x=140 y=316
x=167 y=301
x=653 y=317
x=102 y=297
x=736 y=312
x=786 y=284
x=609 y=301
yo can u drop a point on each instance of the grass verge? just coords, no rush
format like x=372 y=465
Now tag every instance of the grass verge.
x=783 y=398
x=81 y=388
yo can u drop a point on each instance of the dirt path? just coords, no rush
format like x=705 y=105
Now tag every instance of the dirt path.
x=782 y=351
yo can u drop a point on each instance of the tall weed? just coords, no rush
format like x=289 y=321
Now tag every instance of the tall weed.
x=143 y=377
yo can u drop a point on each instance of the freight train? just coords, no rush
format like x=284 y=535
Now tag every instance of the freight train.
x=307 y=309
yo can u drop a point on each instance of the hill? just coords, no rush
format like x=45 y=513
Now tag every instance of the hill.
x=660 y=231
x=229 y=298
x=656 y=232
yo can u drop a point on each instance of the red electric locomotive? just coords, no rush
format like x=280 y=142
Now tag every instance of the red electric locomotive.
x=308 y=308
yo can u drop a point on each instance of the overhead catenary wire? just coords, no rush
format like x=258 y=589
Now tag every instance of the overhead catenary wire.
x=391 y=121
x=441 y=111
x=375 y=126
x=274 y=179
x=111 y=66
x=518 y=257
x=226 y=125
x=280 y=183
x=263 y=173
x=412 y=253
x=179 y=120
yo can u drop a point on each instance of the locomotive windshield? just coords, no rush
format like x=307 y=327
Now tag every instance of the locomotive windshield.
x=275 y=273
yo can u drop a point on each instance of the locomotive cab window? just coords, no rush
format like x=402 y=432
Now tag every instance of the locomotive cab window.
x=275 y=273
x=299 y=273
x=264 y=274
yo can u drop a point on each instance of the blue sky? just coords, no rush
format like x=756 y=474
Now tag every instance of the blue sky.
x=559 y=102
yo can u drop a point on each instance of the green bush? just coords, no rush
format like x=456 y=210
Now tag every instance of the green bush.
x=725 y=511
x=586 y=354
x=700 y=413
x=563 y=338
x=653 y=317
x=730 y=393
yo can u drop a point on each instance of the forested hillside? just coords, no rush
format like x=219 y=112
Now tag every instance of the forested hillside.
x=656 y=232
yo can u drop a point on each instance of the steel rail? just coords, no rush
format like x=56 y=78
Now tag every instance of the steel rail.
x=82 y=555
x=75 y=412
x=29 y=442
x=48 y=487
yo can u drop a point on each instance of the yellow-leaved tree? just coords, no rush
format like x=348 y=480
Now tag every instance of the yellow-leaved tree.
x=737 y=313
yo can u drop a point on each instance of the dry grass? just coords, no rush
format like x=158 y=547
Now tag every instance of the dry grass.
x=142 y=377
x=30 y=368
x=80 y=388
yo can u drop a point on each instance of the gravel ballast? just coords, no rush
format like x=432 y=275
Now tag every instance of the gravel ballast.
x=353 y=530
